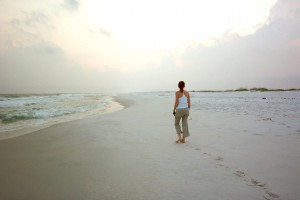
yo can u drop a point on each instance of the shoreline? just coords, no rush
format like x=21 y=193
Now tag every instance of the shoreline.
x=116 y=105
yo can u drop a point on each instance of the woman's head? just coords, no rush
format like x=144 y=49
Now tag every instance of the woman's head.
x=181 y=85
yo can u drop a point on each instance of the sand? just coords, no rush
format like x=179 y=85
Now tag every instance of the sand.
x=131 y=154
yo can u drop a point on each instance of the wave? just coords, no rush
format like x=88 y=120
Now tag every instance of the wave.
x=9 y=119
x=23 y=110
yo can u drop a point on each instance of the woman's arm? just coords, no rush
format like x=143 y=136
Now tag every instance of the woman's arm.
x=189 y=100
x=176 y=102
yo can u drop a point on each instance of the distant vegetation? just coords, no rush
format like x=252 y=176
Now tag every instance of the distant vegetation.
x=255 y=89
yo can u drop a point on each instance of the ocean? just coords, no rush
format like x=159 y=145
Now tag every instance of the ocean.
x=19 y=111
x=274 y=113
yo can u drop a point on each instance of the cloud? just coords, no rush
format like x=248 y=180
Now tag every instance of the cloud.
x=285 y=9
x=30 y=19
x=35 y=18
x=268 y=57
x=100 y=31
x=47 y=49
x=105 y=32
x=44 y=68
x=72 y=5
x=28 y=28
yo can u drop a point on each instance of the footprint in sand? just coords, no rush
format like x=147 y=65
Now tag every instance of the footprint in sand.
x=246 y=178
x=207 y=154
x=257 y=183
x=268 y=195
x=271 y=196
x=219 y=158
x=258 y=134
x=240 y=174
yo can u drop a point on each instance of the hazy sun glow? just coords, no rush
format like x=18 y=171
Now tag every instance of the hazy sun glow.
x=130 y=35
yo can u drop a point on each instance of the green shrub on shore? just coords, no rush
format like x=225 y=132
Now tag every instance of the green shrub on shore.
x=261 y=89
x=241 y=89
x=272 y=90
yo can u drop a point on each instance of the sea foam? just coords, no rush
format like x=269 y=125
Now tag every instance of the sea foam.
x=21 y=111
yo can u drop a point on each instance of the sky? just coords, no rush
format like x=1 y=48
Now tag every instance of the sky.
x=54 y=46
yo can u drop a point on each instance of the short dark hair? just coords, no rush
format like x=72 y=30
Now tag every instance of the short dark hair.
x=181 y=85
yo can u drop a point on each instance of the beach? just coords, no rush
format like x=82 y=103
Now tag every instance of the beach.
x=234 y=152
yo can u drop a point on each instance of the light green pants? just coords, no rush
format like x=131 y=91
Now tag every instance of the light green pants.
x=182 y=114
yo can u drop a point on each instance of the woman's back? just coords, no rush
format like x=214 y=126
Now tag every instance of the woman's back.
x=182 y=100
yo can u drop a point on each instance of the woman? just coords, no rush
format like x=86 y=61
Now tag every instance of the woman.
x=181 y=111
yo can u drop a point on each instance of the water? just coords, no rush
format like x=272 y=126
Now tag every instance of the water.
x=22 y=111
x=261 y=113
x=282 y=104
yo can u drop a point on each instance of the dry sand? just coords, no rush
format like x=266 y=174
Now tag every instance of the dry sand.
x=131 y=154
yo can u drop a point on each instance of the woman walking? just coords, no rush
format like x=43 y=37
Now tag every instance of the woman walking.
x=181 y=112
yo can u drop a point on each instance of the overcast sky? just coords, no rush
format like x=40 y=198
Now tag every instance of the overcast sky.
x=135 y=45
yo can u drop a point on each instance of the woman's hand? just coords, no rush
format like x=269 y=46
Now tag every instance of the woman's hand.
x=174 y=113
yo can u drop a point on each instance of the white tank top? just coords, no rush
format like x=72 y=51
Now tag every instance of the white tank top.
x=183 y=102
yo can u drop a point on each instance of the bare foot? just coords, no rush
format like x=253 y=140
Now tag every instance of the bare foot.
x=178 y=141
